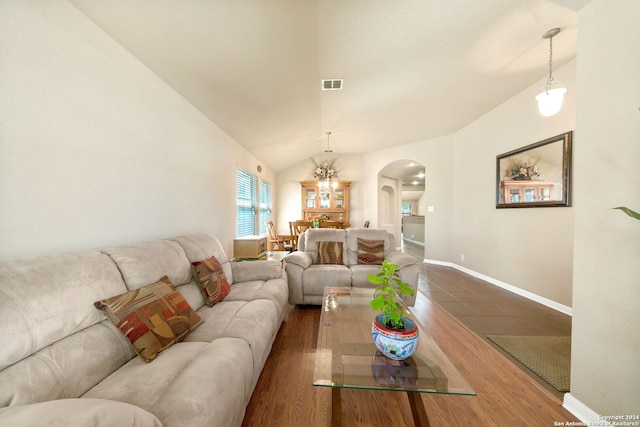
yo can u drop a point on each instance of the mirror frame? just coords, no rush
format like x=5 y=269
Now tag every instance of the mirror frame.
x=562 y=160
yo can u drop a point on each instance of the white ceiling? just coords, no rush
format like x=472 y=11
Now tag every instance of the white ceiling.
x=412 y=70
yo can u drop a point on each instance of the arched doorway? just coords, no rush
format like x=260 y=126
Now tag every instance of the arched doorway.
x=401 y=190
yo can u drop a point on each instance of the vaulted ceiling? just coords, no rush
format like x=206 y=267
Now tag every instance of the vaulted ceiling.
x=412 y=69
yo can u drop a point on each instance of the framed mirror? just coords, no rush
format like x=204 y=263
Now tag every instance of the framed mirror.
x=538 y=175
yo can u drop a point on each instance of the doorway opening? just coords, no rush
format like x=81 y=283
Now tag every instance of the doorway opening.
x=402 y=203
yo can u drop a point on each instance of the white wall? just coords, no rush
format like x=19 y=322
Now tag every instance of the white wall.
x=530 y=248
x=421 y=208
x=388 y=214
x=95 y=149
x=605 y=364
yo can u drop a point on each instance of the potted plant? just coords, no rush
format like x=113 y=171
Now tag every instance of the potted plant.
x=631 y=213
x=394 y=334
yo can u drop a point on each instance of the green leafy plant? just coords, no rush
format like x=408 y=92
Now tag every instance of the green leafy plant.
x=384 y=297
x=631 y=213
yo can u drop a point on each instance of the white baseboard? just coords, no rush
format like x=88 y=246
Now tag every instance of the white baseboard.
x=583 y=412
x=530 y=295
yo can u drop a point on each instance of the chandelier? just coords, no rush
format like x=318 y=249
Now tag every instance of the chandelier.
x=325 y=172
x=550 y=100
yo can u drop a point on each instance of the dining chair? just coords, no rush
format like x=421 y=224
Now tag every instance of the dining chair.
x=278 y=242
x=275 y=243
x=296 y=228
x=330 y=224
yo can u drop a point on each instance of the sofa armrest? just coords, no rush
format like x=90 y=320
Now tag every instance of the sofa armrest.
x=299 y=258
x=295 y=264
x=77 y=412
x=401 y=259
x=245 y=271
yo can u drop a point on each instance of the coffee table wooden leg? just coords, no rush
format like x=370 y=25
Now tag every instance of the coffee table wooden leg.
x=417 y=409
x=336 y=407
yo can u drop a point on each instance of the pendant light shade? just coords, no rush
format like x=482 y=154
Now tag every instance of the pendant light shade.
x=550 y=99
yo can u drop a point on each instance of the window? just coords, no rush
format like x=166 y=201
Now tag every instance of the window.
x=246 y=203
x=265 y=206
x=253 y=204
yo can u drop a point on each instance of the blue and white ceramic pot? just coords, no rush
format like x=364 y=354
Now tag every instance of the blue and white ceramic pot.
x=397 y=345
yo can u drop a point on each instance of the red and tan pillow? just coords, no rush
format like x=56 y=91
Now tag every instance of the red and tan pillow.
x=211 y=280
x=329 y=253
x=152 y=318
x=370 y=251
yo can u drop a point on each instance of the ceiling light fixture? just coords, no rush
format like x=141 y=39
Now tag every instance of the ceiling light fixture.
x=328 y=150
x=550 y=100
x=325 y=173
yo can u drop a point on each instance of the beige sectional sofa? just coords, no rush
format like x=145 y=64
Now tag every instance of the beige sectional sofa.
x=308 y=277
x=62 y=363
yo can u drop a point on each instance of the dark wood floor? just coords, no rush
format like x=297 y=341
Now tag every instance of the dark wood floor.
x=506 y=393
x=487 y=309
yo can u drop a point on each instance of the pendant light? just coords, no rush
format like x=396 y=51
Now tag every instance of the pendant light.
x=550 y=99
x=325 y=172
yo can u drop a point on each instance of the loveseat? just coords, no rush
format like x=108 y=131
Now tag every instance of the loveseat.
x=63 y=363
x=344 y=258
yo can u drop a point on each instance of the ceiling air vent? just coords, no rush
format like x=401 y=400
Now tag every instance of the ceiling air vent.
x=332 y=84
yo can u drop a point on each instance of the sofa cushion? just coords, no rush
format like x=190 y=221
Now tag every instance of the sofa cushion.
x=143 y=263
x=314 y=235
x=255 y=322
x=329 y=253
x=153 y=318
x=199 y=246
x=213 y=390
x=78 y=412
x=211 y=280
x=195 y=384
x=370 y=251
x=316 y=277
x=45 y=299
x=353 y=234
x=67 y=368
x=360 y=275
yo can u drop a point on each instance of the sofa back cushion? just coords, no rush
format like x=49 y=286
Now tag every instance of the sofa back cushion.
x=370 y=234
x=201 y=246
x=145 y=263
x=53 y=342
x=314 y=235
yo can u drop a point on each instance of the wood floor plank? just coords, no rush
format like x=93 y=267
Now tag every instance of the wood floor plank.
x=285 y=396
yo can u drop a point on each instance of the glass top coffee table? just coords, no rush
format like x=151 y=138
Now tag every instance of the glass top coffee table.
x=347 y=358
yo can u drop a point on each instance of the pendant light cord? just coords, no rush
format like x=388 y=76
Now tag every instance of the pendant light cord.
x=550 y=78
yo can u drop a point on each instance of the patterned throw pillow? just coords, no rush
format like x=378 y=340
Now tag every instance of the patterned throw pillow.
x=211 y=280
x=152 y=318
x=330 y=253
x=370 y=251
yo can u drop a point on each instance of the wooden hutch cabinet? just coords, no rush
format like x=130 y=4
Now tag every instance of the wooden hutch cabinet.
x=527 y=191
x=333 y=203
